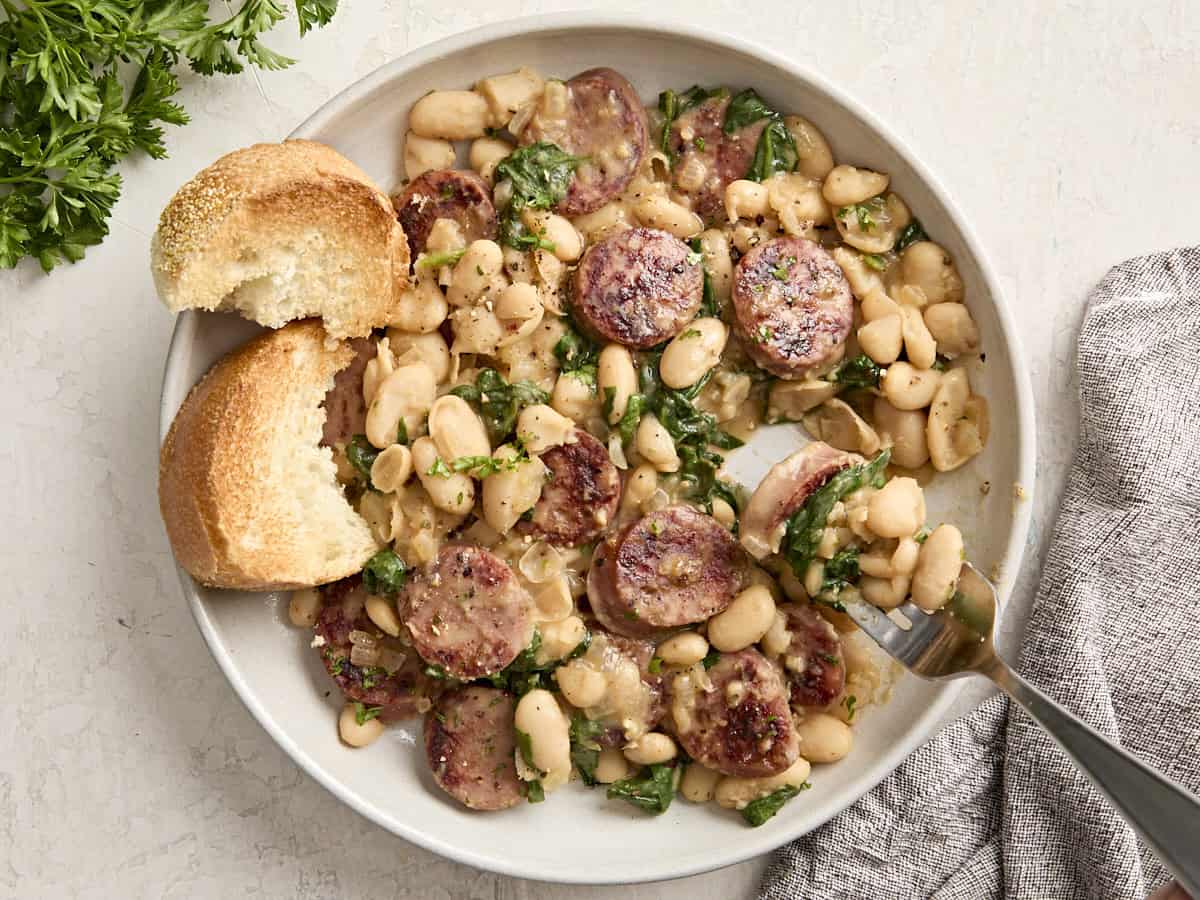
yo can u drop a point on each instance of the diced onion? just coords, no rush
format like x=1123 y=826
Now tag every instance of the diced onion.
x=391 y=659
x=540 y=563
x=363 y=639
x=361 y=656
x=616 y=451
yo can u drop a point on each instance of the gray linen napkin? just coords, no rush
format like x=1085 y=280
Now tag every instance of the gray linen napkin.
x=990 y=807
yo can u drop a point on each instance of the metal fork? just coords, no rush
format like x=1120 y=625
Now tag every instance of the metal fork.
x=957 y=641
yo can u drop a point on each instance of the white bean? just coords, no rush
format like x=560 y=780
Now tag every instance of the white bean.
x=882 y=339
x=422 y=154
x=734 y=792
x=815 y=157
x=654 y=443
x=897 y=509
x=953 y=328
x=884 y=592
x=927 y=266
x=918 y=342
x=457 y=430
x=304 y=607
x=957 y=424
x=405 y=395
x=744 y=621
x=888 y=216
x=539 y=716
x=453 y=492
x=699 y=783
x=560 y=638
x=863 y=280
x=514 y=490
x=846 y=185
x=354 y=734
x=797 y=202
x=486 y=153
x=836 y=423
x=938 y=565
x=451 y=115
x=420 y=309
x=574 y=398
x=746 y=200
x=907 y=387
x=723 y=512
x=609 y=218
x=478 y=272
x=382 y=612
x=615 y=372
x=651 y=749
x=580 y=684
x=540 y=427
x=671 y=217
x=612 y=766
x=717 y=262
x=684 y=649
x=505 y=94
x=876 y=304
x=430 y=349
x=391 y=468
x=568 y=244
x=642 y=482
x=905 y=430
x=824 y=738
x=692 y=352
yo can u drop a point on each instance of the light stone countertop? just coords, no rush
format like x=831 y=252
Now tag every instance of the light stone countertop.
x=1067 y=132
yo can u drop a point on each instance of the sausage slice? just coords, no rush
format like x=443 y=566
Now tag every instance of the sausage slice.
x=581 y=495
x=671 y=568
x=638 y=287
x=345 y=409
x=813 y=661
x=793 y=306
x=742 y=726
x=453 y=194
x=470 y=744
x=706 y=158
x=786 y=488
x=600 y=118
x=398 y=690
x=467 y=613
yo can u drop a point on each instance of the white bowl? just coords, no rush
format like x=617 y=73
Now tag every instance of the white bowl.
x=578 y=835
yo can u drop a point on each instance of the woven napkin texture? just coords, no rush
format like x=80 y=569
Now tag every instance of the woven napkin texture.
x=990 y=807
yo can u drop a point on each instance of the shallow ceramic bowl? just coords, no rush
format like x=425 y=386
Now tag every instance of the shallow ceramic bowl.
x=578 y=835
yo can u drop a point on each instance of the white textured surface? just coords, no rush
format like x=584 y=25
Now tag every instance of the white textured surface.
x=1067 y=134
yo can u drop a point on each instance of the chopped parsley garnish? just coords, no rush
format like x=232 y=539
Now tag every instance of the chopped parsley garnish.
x=699 y=142
x=875 y=261
x=910 y=234
x=655 y=665
x=850 y=703
x=499 y=402
x=756 y=812
x=540 y=175
x=865 y=213
x=763 y=334
x=439 y=469
x=483 y=466
x=651 y=790
x=364 y=714
x=690 y=333
x=775 y=151
x=384 y=573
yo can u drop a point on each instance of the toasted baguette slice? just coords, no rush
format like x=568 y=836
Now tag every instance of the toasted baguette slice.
x=281 y=232
x=249 y=499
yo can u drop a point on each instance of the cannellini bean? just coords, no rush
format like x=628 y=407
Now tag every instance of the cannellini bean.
x=717 y=262
x=406 y=394
x=581 y=685
x=444 y=235
x=457 y=430
x=568 y=243
x=927 y=266
x=610 y=218
x=478 y=272
x=788 y=401
x=838 y=425
x=382 y=612
x=907 y=387
x=642 y=482
x=356 y=735
x=794 y=590
x=615 y=372
x=938 y=565
x=884 y=592
x=905 y=430
x=430 y=349
x=876 y=304
x=574 y=398
x=476 y=330
x=863 y=280
x=815 y=159
x=554 y=601
x=699 y=783
x=377 y=369
x=391 y=468
x=824 y=738
x=422 y=154
x=655 y=445
x=684 y=649
x=485 y=154
x=797 y=202
x=540 y=427
x=304 y=607
x=451 y=115
x=953 y=328
x=723 y=512
x=746 y=199
x=559 y=638
x=735 y=792
x=877 y=233
x=539 y=716
x=422 y=308
x=505 y=94
x=882 y=339
x=918 y=342
x=651 y=749
x=957 y=422
x=744 y=621
x=453 y=492
x=514 y=490
x=671 y=217
x=846 y=185
x=519 y=301
x=897 y=509
x=692 y=352
x=612 y=766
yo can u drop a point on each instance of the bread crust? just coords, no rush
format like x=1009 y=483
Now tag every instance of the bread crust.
x=227 y=486
x=298 y=198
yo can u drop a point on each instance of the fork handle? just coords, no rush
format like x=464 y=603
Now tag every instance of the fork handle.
x=1165 y=815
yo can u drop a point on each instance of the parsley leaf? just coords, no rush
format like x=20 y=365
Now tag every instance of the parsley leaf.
x=384 y=573
x=864 y=213
x=539 y=175
x=445 y=258
x=364 y=714
x=652 y=790
x=756 y=812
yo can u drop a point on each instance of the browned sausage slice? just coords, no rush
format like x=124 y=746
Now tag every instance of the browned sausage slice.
x=600 y=118
x=671 y=568
x=453 y=194
x=786 y=488
x=638 y=287
x=813 y=661
x=706 y=159
x=345 y=410
x=395 y=682
x=467 y=612
x=793 y=306
x=581 y=494
x=742 y=726
x=469 y=741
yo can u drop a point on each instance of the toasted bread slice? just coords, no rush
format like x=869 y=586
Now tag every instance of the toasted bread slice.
x=280 y=232
x=249 y=498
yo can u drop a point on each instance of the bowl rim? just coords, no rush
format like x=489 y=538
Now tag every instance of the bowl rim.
x=756 y=842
